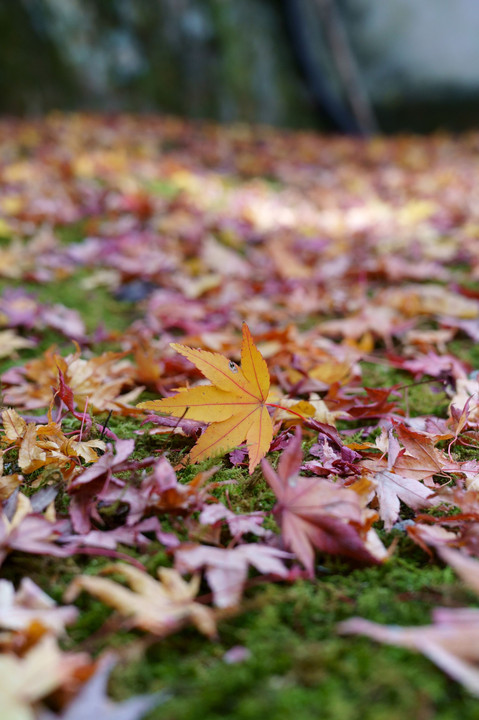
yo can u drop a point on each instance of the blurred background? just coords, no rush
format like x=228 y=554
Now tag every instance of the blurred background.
x=346 y=65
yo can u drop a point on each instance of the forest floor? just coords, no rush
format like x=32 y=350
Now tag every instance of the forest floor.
x=355 y=266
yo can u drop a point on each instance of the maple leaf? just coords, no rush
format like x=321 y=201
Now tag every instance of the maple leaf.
x=10 y=342
x=334 y=458
x=30 y=532
x=43 y=669
x=19 y=609
x=452 y=642
x=96 y=383
x=238 y=524
x=8 y=483
x=438 y=366
x=108 y=540
x=90 y=484
x=161 y=607
x=315 y=513
x=41 y=445
x=464 y=565
x=418 y=459
x=391 y=488
x=467 y=393
x=162 y=490
x=227 y=569
x=430 y=535
x=92 y=700
x=454 y=529
x=235 y=404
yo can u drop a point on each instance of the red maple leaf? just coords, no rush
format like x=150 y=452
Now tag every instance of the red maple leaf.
x=315 y=513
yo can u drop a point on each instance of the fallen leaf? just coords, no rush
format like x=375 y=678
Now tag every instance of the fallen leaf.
x=25 y=680
x=95 y=383
x=391 y=487
x=452 y=642
x=10 y=342
x=30 y=532
x=417 y=459
x=227 y=569
x=159 y=606
x=235 y=404
x=40 y=445
x=8 y=483
x=315 y=513
x=238 y=524
x=92 y=700
x=466 y=567
x=430 y=535
x=18 y=609
x=420 y=459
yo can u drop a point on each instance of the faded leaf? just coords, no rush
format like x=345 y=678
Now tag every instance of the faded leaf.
x=25 y=680
x=466 y=567
x=41 y=445
x=92 y=700
x=452 y=643
x=420 y=459
x=227 y=569
x=28 y=604
x=159 y=606
x=96 y=383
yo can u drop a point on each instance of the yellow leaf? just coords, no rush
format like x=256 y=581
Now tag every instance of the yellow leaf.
x=13 y=425
x=43 y=668
x=235 y=403
x=303 y=407
x=10 y=341
x=41 y=445
x=5 y=228
x=30 y=455
x=9 y=483
x=331 y=371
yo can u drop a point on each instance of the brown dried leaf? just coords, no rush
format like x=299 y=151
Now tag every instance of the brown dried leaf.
x=159 y=606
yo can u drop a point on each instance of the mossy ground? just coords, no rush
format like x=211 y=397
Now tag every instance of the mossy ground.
x=298 y=666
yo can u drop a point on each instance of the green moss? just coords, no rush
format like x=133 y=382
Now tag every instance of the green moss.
x=423 y=398
x=377 y=375
x=466 y=350
x=96 y=306
x=71 y=233
x=463 y=452
x=298 y=664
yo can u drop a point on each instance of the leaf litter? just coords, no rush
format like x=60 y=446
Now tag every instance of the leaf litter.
x=252 y=295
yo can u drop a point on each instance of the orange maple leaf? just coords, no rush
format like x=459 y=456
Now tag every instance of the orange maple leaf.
x=235 y=403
